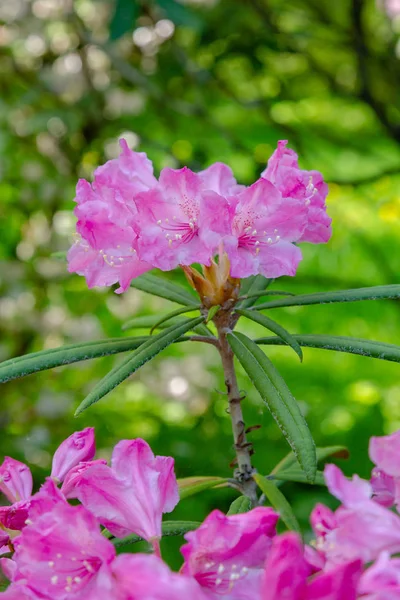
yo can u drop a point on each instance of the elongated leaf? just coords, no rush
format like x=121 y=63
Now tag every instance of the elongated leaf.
x=267 y=293
x=369 y=293
x=339 y=343
x=169 y=528
x=171 y=315
x=274 y=327
x=123 y=19
x=148 y=322
x=65 y=355
x=278 y=501
x=251 y=285
x=298 y=476
x=275 y=393
x=240 y=505
x=158 y=286
x=135 y=360
x=189 y=486
x=322 y=453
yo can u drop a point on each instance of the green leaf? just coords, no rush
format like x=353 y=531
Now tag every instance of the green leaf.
x=278 y=501
x=251 y=285
x=298 y=476
x=171 y=315
x=240 y=505
x=168 y=528
x=123 y=19
x=322 y=454
x=65 y=355
x=275 y=393
x=369 y=293
x=212 y=312
x=267 y=293
x=274 y=327
x=62 y=255
x=339 y=343
x=181 y=15
x=189 y=486
x=158 y=286
x=135 y=360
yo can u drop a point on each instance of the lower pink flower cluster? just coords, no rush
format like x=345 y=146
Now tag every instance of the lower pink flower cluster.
x=129 y=222
x=58 y=551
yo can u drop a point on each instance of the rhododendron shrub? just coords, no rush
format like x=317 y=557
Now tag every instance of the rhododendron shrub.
x=231 y=241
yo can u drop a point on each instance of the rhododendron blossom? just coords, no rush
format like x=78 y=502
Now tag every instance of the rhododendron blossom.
x=130 y=222
x=131 y=495
x=78 y=447
x=226 y=553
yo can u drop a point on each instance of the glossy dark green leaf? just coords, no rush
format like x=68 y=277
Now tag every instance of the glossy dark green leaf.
x=135 y=360
x=252 y=285
x=339 y=343
x=369 y=293
x=158 y=286
x=298 y=476
x=274 y=327
x=168 y=528
x=240 y=505
x=65 y=355
x=180 y=14
x=123 y=19
x=277 y=396
x=278 y=501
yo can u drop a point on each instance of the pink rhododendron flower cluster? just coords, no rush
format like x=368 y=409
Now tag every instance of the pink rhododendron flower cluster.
x=129 y=222
x=59 y=550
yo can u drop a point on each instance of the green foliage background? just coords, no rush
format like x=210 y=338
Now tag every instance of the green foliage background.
x=191 y=83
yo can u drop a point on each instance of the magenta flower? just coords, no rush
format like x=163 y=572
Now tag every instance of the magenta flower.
x=78 y=447
x=131 y=496
x=381 y=581
x=287 y=575
x=263 y=227
x=62 y=555
x=384 y=451
x=105 y=247
x=15 y=480
x=360 y=528
x=74 y=474
x=172 y=226
x=306 y=186
x=228 y=552
x=146 y=577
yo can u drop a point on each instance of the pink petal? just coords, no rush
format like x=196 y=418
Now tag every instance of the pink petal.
x=219 y=178
x=350 y=493
x=227 y=551
x=383 y=488
x=286 y=570
x=72 y=477
x=340 y=583
x=78 y=447
x=15 y=480
x=385 y=453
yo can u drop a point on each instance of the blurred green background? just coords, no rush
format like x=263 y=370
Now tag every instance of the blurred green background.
x=192 y=82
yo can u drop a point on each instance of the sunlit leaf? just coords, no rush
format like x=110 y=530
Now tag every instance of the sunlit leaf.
x=339 y=343
x=135 y=360
x=298 y=476
x=189 y=486
x=274 y=327
x=278 y=501
x=369 y=293
x=277 y=396
x=322 y=454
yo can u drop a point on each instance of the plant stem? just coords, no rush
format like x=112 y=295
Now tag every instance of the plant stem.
x=244 y=471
